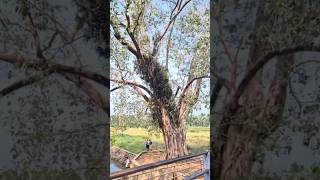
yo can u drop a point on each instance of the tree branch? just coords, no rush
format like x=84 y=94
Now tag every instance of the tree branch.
x=116 y=88
x=22 y=83
x=133 y=84
x=303 y=63
x=172 y=20
x=53 y=37
x=295 y=98
x=35 y=35
x=131 y=34
x=138 y=90
x=260 y=64
x=168 y=47
x=100 y=100
x=124 y=42
x=137 y=23
x=178 y=88
x=87 y=87
x=59 y=68
x=226 y=82
x=187 y=87
x=177 y=4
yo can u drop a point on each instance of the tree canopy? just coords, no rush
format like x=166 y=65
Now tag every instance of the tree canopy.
x=182 y=52
x=53 y=69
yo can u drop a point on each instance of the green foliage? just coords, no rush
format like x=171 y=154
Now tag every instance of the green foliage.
x=121 y=122
x=289 y=23
x=199 y=121
x=133 y=139
x=134 y=144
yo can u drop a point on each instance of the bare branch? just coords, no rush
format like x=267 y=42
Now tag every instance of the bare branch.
x=36 y=37
x=22 y=83
x=172 y=20
x=137 y=23
x=87 y=87
x=187 y=87
x=178 y=88
x=131 y=35
x=132 y=84
x=136 y=88
x=127 y=15
x=121 y=39
x=226 y=83
x=53 y=37
x=116 y=88
x=215 y=93
x=58 y=26
x=168 y=46
x=303 y=63
x=238 y=49
x=59 y=68
x=141 y=93
x=100 y=100
x=175 y=7
x=178 y=4
x=69 y=42
x=235 y=64
x=295 y=98
x=260 y=64
x=226 y=48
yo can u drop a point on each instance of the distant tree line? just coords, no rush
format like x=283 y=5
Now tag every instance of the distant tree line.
x=146 y=121
x=200 y=120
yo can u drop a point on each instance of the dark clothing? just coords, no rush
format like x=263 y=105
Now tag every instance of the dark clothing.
x=148 y=144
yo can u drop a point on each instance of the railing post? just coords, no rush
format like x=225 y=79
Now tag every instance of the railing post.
x=207 y=166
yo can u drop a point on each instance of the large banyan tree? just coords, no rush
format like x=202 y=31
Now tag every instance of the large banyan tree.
x=260 y=60
x=165 y=45
x=53 y=56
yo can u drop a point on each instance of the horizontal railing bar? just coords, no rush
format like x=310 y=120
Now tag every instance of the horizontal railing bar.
x=176 y=171
x=179 y=164
x=197 y=175
x=170 y=167
x=170 y=172
x=152 y=165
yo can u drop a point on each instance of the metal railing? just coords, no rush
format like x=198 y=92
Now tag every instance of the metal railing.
x=206 y=172
x=197 y=175
x=171 y=164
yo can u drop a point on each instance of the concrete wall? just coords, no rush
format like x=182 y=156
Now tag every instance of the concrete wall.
x=119 y=155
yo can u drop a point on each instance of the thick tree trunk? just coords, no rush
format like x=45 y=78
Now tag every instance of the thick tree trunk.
x=174 y=136
x=238 y=153
x=165 y=110
x=175 y=142
x=251 y=124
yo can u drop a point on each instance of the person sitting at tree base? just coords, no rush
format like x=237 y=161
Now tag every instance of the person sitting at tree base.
x=127 y=162
x=148 y=144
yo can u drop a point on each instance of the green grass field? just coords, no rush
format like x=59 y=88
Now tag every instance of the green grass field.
x=133 y=139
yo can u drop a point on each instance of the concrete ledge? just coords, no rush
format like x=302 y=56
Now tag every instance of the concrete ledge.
x=119 y=155
x=135 y=160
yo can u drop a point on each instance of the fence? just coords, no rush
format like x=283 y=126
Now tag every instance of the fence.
x=187 y=167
